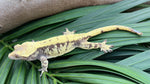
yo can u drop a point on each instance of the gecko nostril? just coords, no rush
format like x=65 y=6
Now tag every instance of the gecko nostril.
x=10 y=57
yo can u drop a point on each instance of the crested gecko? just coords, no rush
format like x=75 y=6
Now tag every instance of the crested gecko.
x=59 y=45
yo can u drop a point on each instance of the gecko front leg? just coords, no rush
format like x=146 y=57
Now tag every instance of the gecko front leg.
x=44 y=64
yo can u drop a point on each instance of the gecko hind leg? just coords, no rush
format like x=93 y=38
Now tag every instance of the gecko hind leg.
x=68 y=32
x=44 y=64
x=89 y=45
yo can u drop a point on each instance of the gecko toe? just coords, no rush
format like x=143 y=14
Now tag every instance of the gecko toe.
x=40 y=69
x=41 y=73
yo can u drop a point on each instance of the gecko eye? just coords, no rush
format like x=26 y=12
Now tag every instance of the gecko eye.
x=16 y=56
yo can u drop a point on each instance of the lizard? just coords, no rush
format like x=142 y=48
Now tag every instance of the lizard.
x=59 y=45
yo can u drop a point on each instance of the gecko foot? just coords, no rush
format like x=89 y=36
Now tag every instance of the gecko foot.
x=68 y=32
x=42 y=71
x=106 y=48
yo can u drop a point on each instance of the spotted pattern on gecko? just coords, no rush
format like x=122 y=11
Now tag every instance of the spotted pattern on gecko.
x=59 y=45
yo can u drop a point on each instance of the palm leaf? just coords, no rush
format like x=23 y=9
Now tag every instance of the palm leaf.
x=127 y=63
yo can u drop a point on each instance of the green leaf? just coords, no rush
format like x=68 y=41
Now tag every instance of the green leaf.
x=44 y=79
x=2 y=52
x=93 y=78
x=140 y=61
x=5 y=69
x=130 y=73
x=134 y=48
x=31 y=78
x=19 y=73
x=100 y=14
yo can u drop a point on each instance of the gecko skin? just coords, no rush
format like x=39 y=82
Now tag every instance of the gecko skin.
x=59 y=45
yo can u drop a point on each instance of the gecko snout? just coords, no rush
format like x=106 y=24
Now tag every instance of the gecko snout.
x=15 y=56
x=12 y=56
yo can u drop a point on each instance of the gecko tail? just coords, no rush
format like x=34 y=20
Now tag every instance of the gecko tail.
x=111 y=28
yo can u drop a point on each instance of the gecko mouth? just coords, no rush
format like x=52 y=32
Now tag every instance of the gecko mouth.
x=16 y=57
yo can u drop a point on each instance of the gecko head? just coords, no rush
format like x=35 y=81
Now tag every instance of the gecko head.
x=22 y=51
